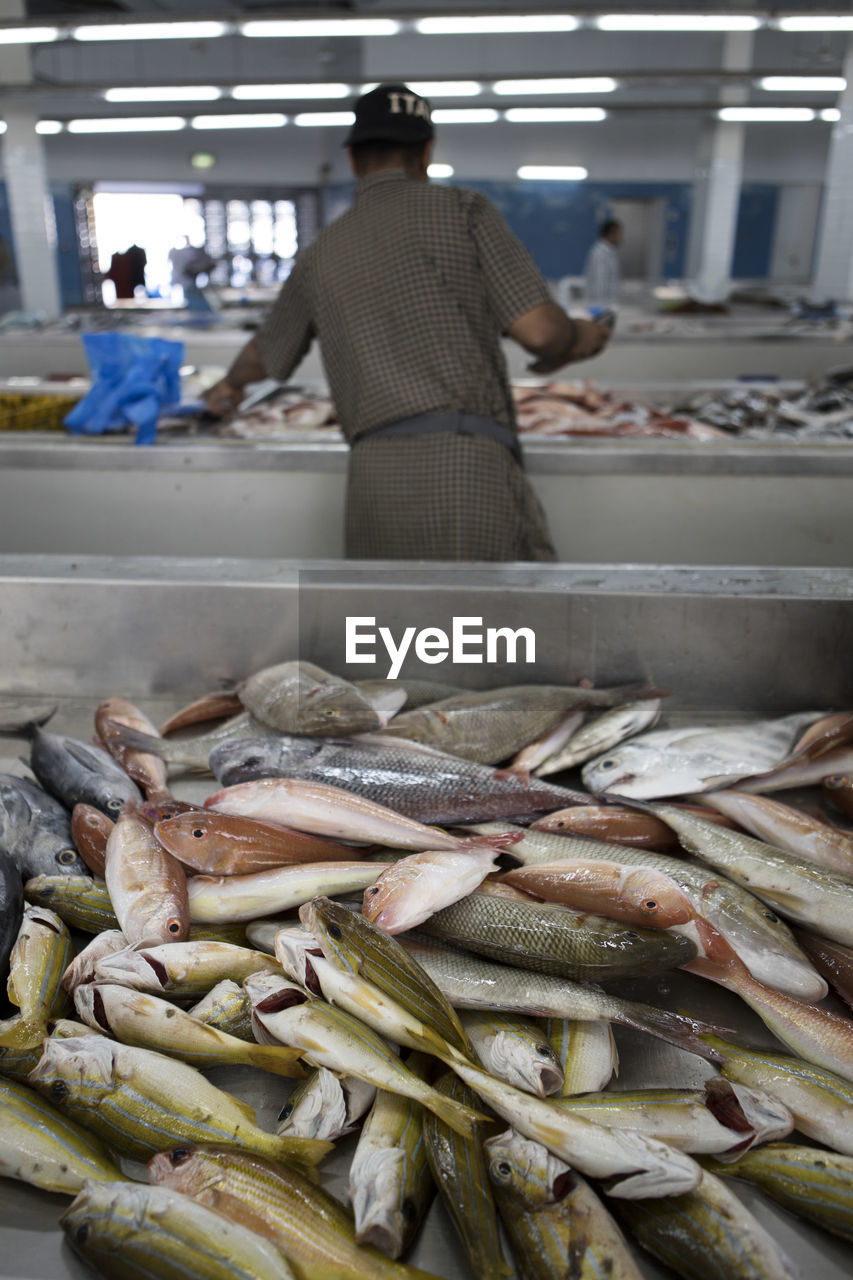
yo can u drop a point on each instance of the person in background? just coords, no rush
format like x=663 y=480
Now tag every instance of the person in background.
x=602 y=277
x=409 y=292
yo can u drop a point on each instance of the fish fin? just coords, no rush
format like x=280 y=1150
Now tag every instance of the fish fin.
x=135 y=738
x=680 y=1030
x=505 y=775
x=305 y=1153
x=279 y=1060
x=461 y=1119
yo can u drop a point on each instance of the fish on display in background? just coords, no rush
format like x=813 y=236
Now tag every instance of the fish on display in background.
x=90 y=831
x=418 y=782
x=11 y=910
x=147 y=886
x=325 y=1105
x=602 y=733
x=41 y=1146
x=221 y=844
x=789 y=829
x=408 y=892
x=147 y=771
x=39 y=958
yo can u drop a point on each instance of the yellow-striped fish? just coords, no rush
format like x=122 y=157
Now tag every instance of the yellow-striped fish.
x=40 y=1145
x=40 y=956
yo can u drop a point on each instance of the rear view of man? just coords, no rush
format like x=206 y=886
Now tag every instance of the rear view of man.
x=409 y=293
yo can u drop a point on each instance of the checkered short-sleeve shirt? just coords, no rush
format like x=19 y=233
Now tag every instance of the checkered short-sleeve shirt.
x=408 y=293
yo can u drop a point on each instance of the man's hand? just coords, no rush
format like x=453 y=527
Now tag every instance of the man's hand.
x=590 y=338
x=222 y=398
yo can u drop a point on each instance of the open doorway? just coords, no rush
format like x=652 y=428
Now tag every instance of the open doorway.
x=641 y=251
x=154 y=222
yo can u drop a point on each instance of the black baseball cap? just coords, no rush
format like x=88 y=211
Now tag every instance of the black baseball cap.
x=391 y=113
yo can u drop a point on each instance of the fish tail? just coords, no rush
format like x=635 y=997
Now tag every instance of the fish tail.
x=461 y=1119
x=674 y=1028
x=22 y=1033
x=303 y=1153
x=280 y=1060
x=136 y=739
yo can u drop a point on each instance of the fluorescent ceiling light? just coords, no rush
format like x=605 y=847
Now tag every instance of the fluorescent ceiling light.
x=552 y=173
x=446 y=88
x=549 y=115
x=590 y=84
x=127 y=124
x=181 y=93
x=255 y=91
x=747 y=115
x=498 y=24
x=28 y=35
x=307 y=119
x=797 y=84
x=321 y=28
x=827 y=22
x=152 y=31
x=440 y=170
x=464 y=115
x=831 y=115
x=270 y=120
x=49 y=126
x=676 y=22
x=3 y=126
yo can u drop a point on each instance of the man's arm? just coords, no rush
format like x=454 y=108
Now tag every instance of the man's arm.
x=224 y=396
x=555 y=339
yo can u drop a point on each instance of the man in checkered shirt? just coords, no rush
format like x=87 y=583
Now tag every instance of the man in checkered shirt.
x=409 y=292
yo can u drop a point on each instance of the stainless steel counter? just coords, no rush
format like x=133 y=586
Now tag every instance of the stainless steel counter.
x=633 y=501
x=163 y=630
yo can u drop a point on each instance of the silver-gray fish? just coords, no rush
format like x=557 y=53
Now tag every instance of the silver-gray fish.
x=428 y=786
x=602 y=733
x=674 y=762
x=325 y=1105
x=35 y=831
x=78 y=773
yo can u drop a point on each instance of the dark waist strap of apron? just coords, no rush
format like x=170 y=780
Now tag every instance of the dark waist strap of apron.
x=460 y=424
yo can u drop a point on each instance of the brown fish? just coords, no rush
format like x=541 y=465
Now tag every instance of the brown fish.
x=148 y=771
x=90 y=831
x=632 y=895
x=162 y=806
x=222 y=844
x=147 y=886
x=618 y=825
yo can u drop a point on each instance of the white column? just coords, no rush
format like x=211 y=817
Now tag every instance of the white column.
x=25 y=173
x=30 y=212
x=716 y=192
x=833 y=277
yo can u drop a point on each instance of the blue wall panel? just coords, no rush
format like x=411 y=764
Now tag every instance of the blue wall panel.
x=67 y=249
x=756 y=224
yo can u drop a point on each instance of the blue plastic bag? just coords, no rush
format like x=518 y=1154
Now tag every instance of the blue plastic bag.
x=134 y=380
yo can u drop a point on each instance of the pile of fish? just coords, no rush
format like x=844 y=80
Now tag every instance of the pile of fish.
x=385 y=899
x=822 y=411
x=582 y=409
x=283 y=414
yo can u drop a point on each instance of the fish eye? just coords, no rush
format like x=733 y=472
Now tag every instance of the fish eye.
x=179 y=1155
x=66 y=857
x=59 y=1090
x=771 y=916
x=631 y=934
x=545 y=1051
x=504 y=1169
x=253 y=762
x=286 y=1111
x=82 y=1233
x=330 y=713
x=607 y=764
x=334 y=931
x=198 y=832
x=650 y=904
x=114 y=804
x=174 y=926
x=373 y=890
